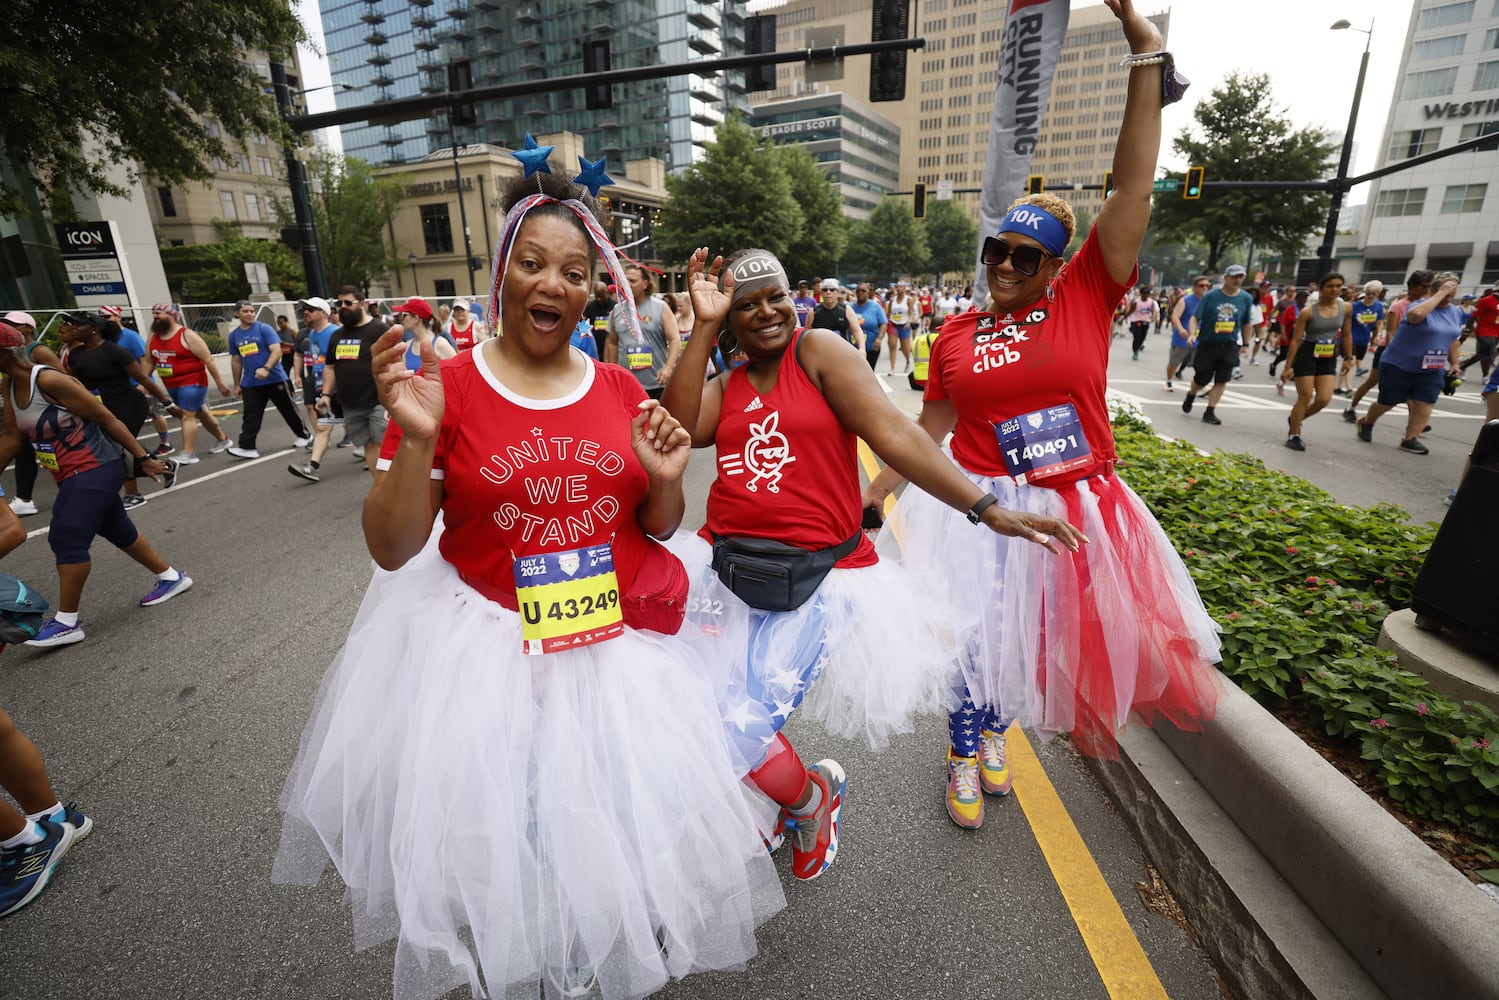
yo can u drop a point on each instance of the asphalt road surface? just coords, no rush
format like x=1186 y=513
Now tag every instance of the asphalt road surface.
x=174 y=727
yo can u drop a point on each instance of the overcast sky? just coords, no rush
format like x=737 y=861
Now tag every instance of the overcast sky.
x=1313 y=69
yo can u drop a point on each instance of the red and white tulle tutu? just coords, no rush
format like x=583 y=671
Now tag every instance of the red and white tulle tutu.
x=868 y=651
x=1069 y=643
x=522 y=823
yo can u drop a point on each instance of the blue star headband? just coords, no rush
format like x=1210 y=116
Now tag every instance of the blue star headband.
x=534 y=157
x=592 y=175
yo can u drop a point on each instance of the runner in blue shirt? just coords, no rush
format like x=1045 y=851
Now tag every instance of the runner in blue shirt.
x=1368 y=318
x=255 y=359
x=1219 y=331
x=872 y=317
x=1421 y=353
x=1181 y=342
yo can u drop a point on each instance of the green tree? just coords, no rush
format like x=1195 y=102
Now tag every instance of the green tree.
x=1242 y=136
x=215 y=272
x=353 y=208
x=888 y=244
x=735 y=196
x=818 y=248
x=951 y=237
x=90 y=83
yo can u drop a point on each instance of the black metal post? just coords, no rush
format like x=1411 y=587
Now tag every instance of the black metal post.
x=301 y=198
x=1340 y=183
x=468 y=246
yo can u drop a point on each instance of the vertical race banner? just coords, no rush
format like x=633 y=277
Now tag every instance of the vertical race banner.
x=1034 y=30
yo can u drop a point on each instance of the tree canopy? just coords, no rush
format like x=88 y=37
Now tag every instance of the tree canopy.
x=1241 y=135
x=215 y=272
x=147 y=81
x=889 y=244
x=951 y=237
x=352 y=207
x=819 y=246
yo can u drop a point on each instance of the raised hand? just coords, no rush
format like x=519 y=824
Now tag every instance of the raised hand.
x=1139 y=31
x=709 y=304
x=661 y=443
x=415 y=403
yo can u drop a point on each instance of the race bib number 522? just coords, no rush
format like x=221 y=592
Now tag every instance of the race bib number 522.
x=567 y=599
x=1044 y=444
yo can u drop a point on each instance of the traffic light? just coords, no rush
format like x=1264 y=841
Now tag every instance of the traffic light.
x=1108 y=183
x=918 y=202
x=292 y=237
x=760 y=38
x=1193 y=188
x=596 y=59
x=887 y=70
x=461 y=78
x=1034 y=184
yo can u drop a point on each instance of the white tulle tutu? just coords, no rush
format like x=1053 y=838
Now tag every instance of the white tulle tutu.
x=520 y=823
x=869 y=652
x=1069 y=643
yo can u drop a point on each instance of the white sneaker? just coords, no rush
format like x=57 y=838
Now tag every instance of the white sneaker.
x=22 y=508
x=243 y=452
x=188 y=458
x=300 y=442
x=219 y=447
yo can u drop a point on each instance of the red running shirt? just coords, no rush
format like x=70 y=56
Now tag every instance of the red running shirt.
x=463 y=339
x=171 y=353
x=996 y=367
x=787 y=469
x=530 y=476
x=1486 y=316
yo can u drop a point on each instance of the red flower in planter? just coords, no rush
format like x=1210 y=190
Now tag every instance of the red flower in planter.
x=1379 y=723
x=1291 y=550
x=1421 y=708
x=1481 y=743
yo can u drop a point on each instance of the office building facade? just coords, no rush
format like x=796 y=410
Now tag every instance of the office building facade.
x=858 y=147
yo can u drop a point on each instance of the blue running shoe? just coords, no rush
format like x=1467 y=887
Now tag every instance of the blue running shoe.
x=25 y=870
x=55 y=633
x=73 y=816
x=165 y=590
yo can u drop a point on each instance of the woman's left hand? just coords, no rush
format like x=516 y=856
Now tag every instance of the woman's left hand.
x=660 y=442
x=1139 y=30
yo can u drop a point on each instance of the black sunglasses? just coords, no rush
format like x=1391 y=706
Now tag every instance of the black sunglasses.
x=1025 y=259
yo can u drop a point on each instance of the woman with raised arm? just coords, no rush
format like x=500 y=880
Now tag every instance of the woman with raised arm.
x=518 y=768
x=1073 y=643
x=785 y=581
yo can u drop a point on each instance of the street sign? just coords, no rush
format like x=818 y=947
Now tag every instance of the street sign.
x=1166 y=184
x=944 y=189
x=91 y=258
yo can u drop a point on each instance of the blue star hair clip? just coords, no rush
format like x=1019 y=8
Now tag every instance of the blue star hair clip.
x=592 y=175
x=534 y=157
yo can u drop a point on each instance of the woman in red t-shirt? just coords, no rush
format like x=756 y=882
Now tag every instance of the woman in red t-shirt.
x=1075 y=643
x=516 y=765
x=784 y=426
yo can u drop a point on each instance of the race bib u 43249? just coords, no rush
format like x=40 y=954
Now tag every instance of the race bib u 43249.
x=567 y=599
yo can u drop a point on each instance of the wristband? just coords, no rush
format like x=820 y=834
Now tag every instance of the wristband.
x=976 y=512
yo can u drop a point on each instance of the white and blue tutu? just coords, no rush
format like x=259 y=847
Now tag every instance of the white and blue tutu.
x=518 y=823
x=1069 y=643
x=869 y=652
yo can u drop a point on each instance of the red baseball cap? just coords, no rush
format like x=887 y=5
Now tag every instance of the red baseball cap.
x=416 y=307
x=11 y=337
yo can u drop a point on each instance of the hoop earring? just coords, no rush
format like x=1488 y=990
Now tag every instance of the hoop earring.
x=728 y=344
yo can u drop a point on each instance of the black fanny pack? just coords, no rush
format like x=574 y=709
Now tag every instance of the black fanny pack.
x=774 y=576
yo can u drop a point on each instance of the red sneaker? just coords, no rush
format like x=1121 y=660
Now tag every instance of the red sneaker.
x=814 y=838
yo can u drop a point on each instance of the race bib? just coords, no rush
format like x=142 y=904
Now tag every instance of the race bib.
x=1433 y=359
x=1225 y=326
x=1323 y=350
x=1044 y=444
x=638 y=358
x=248 y=348
x=567 y=599
x=346 y=352
x=1367 y=318
x=164 y=371
x=46 y=456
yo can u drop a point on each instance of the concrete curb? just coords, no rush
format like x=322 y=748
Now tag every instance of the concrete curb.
x=1416 y=927
x=1445 y=662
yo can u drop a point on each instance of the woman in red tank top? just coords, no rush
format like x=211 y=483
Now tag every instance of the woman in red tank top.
x=785 y=426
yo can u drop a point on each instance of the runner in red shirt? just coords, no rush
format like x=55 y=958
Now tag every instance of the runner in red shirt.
x=1485 y=331
x=1077 y=642
x=514 y=722
x=784 y=425
x=183 y=362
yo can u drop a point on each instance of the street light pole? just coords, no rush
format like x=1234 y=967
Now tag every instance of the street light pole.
x=1340 y=184
x=411 y=259
x=301 y=200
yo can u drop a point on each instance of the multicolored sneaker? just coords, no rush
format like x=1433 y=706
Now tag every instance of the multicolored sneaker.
x=994 y=769
x=965 y=806
x=55 y=633
x=25 y=870
x=814 y=838
x=778 y=835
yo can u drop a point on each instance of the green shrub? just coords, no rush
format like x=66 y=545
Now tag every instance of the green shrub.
x=1300 y=585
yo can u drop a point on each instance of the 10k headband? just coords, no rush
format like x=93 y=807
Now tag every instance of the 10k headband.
x=754 y=271
x=1039 y=224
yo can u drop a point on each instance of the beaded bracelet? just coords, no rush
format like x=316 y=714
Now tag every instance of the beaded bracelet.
x=1144 y=59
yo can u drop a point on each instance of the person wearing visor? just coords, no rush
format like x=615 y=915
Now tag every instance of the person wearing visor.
x=787 y=585
x=832 y=313
x=1219 y=331
x=79 y=441
x=1076 y=642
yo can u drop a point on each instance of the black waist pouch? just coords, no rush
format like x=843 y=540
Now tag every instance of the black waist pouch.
x=774 y=576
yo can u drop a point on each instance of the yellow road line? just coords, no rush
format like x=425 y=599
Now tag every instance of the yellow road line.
x=1121 y=962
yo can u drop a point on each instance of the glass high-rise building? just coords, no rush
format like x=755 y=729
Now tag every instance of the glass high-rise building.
x=401 y=48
